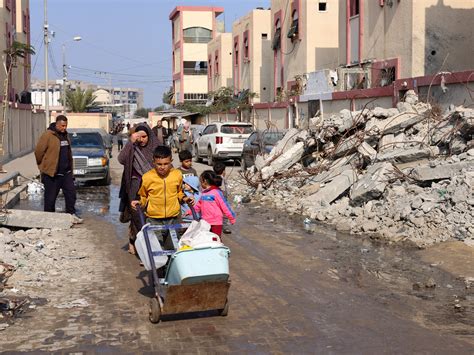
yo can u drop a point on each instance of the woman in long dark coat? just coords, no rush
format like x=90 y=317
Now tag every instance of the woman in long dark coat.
x=136 y=158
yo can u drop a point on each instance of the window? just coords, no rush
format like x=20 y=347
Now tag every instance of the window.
x=354 y=8
x=246 y=47
x=236 y=53
x=276 y=44
x=236 y=129
x=197 y=35
x=196 y=98
x=216 y=66
x=209 y=65
x=264 y=36
x=322 y=6
x=195 y=67
x=293 y=32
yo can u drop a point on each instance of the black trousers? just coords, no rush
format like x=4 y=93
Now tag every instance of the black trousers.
x=52 y=185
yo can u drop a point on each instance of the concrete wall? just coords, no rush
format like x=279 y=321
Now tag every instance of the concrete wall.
x=197 y=19
x=87 y=120
x=422 y=34
x=23 y=127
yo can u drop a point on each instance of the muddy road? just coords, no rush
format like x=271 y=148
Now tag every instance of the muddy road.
x=295 y=289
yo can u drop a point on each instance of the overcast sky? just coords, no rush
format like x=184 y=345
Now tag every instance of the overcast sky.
x=127 y=40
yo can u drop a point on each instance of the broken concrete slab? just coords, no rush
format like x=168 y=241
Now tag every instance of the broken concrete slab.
x=348 y=146
x=399 y=122
x=408 y=155
x=332 y=190
x=36 y=219
x=284 y=161
x=372 y=185
x=287 y=142
x=367 y=151
x=439 y=172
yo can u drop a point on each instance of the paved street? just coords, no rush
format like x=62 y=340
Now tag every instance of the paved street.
x=293 y=291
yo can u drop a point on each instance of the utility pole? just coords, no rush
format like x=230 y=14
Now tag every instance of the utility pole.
x=46 y=47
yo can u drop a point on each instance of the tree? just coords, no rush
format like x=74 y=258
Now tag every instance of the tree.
x=80 y=100
x=168 y=96
x=142 y=112
x=159 y=108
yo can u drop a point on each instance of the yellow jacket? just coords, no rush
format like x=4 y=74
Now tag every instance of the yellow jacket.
x=162 y=196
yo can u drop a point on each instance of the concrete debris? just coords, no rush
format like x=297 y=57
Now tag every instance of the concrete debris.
x=403 y=174
x=36 y=219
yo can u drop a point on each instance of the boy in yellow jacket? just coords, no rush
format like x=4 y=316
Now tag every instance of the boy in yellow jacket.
x=161 y=191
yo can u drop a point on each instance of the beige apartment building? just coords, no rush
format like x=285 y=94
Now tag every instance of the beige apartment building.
x=219 y=62
x=393 y=39
x=15 y=15
x=252 y=54
x=193 y=27
x=305 y=38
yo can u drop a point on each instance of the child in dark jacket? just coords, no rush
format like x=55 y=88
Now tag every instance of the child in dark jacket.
x=213 y=206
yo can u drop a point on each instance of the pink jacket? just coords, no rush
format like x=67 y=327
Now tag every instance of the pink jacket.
x=213 y=206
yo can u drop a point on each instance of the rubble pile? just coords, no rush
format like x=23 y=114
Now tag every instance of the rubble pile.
x=31 y=260
x=404 y=173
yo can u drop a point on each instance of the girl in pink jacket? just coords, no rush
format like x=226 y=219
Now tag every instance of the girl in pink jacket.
x=213 y=205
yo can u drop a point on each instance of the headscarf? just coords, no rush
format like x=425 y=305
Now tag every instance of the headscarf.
x=144 y=155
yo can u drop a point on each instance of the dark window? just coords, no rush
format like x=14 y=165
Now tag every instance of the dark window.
x=271 y=138
x=86 y=140
x=195 y=68
x=236 y=129
x=236 y=53
x=246 y=48
x=264 y=36
x=276 y=44
x=197 y=35
x=322 y=6
x=293 y=32
x=354 y=10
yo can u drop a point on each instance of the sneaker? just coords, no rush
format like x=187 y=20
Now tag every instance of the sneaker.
x=227 y=231
x=77 y=219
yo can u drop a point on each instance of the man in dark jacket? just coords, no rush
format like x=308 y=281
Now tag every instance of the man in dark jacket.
x=161 y=133
x=54 y=158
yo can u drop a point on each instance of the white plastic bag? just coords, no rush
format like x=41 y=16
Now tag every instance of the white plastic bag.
x=140 y=245
x=198 y=235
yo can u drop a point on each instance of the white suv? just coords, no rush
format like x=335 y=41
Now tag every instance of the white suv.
x=222 y=140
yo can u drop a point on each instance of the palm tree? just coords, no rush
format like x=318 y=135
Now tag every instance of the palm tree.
x=80 y=100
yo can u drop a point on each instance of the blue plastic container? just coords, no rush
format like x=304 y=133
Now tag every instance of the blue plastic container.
x=192 y=266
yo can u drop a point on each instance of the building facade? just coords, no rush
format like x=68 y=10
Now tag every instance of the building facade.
x=219 y=62
x=390 y=39
x=193 y=27
x=15 y=15
x=305 y=39
x=251 y=48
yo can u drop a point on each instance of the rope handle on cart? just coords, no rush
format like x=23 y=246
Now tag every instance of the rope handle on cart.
x=141 y=214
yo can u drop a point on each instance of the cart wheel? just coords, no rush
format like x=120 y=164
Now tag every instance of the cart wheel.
x=155 y=311
x=223 y=312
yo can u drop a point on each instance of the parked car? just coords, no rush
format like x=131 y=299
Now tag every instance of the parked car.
x=259 y=142
x=90 y=156
x=221 y=141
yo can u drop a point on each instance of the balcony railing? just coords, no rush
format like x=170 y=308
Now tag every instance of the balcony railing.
x=192 y=71
x=195 y=39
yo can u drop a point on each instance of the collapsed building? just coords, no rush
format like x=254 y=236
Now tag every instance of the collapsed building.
x=404 y=173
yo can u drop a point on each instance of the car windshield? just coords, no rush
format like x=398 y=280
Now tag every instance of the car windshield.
x=86 y=140
x=272 y=138
x=236 y=129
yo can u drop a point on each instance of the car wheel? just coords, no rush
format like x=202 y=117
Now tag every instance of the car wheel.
x=210 y=159
x=197 y=158
x=106 y=181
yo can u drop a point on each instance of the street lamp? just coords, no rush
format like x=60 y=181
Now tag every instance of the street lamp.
x=63 y=95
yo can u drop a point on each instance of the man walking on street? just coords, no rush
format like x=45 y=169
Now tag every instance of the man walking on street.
x=161 y=133
x=54 y=158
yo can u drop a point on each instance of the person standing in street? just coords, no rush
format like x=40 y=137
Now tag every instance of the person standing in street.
x=137 y=159
x=54 y=159
x=161 y=133
x=186 y=140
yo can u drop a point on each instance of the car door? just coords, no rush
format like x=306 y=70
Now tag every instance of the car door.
x=248 y=150
x=204 y=139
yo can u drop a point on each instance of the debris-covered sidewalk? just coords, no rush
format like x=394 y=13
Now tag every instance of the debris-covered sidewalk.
x=404 y=173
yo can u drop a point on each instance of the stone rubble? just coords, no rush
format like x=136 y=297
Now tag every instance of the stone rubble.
x=402 y=174
x=32 y=259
